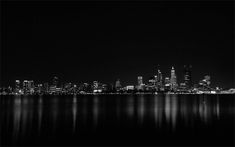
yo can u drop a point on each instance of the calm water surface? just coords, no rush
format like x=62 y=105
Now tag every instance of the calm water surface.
x=138 y=120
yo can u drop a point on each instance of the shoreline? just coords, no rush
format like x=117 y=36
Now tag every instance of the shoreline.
x=115 y=94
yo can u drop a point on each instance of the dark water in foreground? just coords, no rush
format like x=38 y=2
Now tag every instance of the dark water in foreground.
x=138 y=120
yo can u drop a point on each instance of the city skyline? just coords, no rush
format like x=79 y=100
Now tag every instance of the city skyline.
x=186 y=79
x=154 y=84
x=86 y=41
x=158 y=77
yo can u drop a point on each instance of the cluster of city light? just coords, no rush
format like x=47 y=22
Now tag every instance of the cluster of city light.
x=155 y=84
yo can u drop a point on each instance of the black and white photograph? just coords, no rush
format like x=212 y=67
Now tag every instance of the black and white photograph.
x=117 y=73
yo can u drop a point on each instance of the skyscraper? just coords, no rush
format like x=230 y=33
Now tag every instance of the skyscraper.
x=173 y=79
x=159 y=79
x=118 y=85
x=155 y=80
x=140 y=80
x=26 y=86
x=140 y=85
x=167 y=83
x=188 y=76
x=17 y=86
x=40 y=88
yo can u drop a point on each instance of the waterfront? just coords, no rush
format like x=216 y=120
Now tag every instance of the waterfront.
x=201 y=120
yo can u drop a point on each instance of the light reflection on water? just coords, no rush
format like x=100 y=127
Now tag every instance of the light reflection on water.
x=17 y=116
x=141 y=108
x=40 y=112
x=54 y=112
x=130 y=107
x=95 y=110
x=74 y=112
x=161 y=109
x=158 y=110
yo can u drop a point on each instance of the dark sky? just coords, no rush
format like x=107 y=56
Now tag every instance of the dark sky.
x=104 y=41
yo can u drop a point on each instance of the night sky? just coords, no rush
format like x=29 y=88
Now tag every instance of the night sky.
x=104 y=41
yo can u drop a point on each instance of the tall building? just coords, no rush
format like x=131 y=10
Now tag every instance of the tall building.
x=167 y=83
x=26 y=86
x=17 y=86
x=159 y=80
x=31 y=86
x=188 y=76
x=40 y=88
x=173 y=79
x=155 y=80
x=75 y=88
x=118 y=85
x=140 y=85
x=140 y=80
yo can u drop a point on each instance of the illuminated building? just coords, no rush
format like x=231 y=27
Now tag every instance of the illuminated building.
x=118 y=85
x=167 y=82
x=17 y=86
x=173 y=80
x=155 y=80
x=130 y=87
x=52 y=89
x=188 y=76
x=140 y=85
x=205 y=83
x=159 y=80
x=58 y=90
x=97 y=87
x=140 y=80
x=151 y=81
x=75 y=88
x=31 y=86
x=182 y=87
x=26 y=86
x=40 y=88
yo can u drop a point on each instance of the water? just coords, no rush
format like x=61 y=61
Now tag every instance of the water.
x=130 y=120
